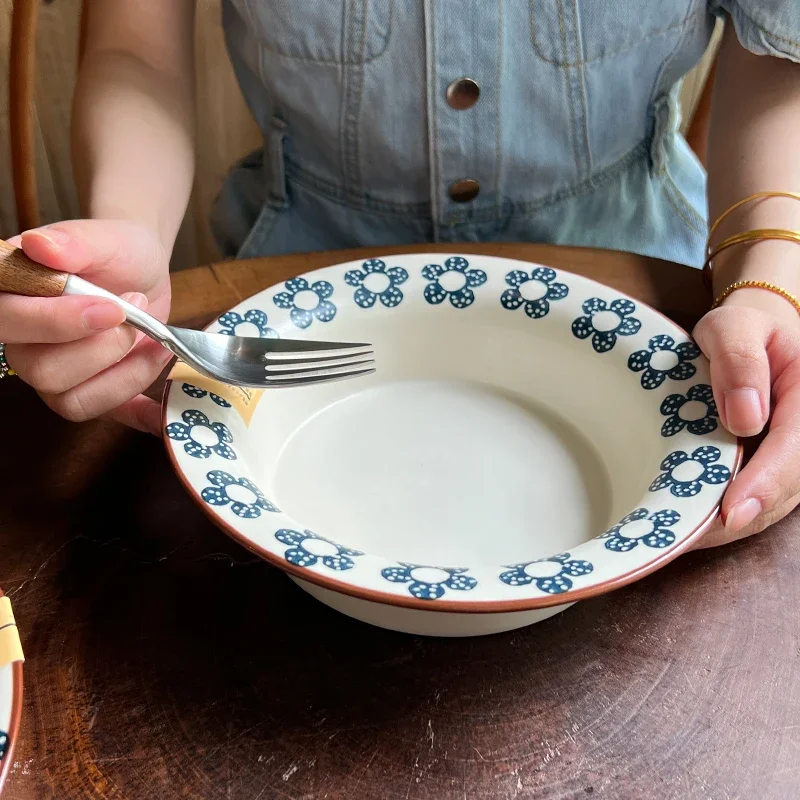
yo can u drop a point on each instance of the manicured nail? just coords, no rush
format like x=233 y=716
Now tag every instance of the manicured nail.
x=742 y=514
x=102 y=316
x=743 y=413
x=136 y=299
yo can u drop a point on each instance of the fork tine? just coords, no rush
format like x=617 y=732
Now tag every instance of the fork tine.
x=320 y=372
x=301 y=364
x=310 y=379
x=299 y=348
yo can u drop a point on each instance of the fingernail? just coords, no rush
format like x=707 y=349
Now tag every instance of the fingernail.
x=136 y=299
x=102 y=316
x=56 y=237
x=742 y=514
x=743 y=412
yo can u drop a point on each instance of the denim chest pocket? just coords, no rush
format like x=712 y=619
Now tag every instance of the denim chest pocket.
x=323 y=31
x=573 y=32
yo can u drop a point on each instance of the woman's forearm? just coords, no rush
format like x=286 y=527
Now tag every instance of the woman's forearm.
x=133 y=115
x=754 y=145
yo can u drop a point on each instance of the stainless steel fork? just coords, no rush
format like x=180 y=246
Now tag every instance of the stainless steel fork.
x=237 y=360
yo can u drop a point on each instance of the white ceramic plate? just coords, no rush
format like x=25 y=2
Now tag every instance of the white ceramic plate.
x=530 y=438
x=10 y=713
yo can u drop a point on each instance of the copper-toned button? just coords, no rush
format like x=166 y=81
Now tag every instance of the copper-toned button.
x=463 y=93
x=464 y=190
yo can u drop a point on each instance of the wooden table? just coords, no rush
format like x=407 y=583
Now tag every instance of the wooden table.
x=164 y=661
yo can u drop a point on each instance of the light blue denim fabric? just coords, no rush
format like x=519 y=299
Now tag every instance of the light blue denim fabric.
x=574 y=139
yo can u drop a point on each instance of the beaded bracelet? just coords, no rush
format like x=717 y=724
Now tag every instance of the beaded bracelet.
x=5 y=370
x=770 y=287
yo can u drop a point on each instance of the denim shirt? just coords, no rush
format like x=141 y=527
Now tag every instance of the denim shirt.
x=566 y=131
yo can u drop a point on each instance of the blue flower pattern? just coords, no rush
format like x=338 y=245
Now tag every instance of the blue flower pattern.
x=324 y=310
x=230 y=321
x=652 y=375
x=4 y=742
x=547 y=288
x=604 y=335
x=302 y=544
x=187 y=431
x=698 y=468
x=390 y=296
x=640 y=526
x=429 y=583
x=675 y=423
x=218 y=494
x=199 y=394
x=462 y=297
x=551 y=575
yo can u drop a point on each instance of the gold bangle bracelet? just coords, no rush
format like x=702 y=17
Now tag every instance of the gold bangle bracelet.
x=769 y=287
x=757 y=235
x=757 y=196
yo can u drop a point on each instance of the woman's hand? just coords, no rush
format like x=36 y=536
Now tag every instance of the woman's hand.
x=753 y=344
x=74 y=350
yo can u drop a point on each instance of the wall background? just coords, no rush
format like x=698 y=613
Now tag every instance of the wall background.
x=225 y=129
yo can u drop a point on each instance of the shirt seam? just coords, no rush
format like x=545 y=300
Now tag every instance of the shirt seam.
x=363 y=202
x=776 y=36
x=614 y=53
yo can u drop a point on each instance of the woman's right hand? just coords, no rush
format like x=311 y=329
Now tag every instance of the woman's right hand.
x=74 y=350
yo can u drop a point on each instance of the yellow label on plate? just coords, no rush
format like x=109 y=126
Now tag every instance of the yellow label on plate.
x=10 y=645
x=244 y=400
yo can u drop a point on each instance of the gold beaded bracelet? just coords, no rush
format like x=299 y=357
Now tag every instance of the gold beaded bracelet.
x=766 y=285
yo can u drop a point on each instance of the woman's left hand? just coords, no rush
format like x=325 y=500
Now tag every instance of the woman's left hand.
x=753 y=344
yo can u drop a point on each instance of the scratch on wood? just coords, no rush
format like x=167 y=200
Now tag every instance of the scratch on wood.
x=49 y=558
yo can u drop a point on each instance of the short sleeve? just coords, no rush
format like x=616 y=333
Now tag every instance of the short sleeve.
x=765 y=27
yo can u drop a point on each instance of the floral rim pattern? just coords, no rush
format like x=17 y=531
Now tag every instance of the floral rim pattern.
x=685 y=484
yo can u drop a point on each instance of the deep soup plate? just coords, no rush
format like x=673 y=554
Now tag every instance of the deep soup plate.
x=530 y=438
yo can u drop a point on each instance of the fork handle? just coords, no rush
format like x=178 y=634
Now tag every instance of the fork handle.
x=21 y=275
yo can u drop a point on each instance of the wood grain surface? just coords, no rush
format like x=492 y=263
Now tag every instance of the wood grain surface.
x=164 y=661
x=20 y=275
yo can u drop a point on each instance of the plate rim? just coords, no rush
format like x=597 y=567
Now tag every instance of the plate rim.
x=442 y=604
x=16 y=718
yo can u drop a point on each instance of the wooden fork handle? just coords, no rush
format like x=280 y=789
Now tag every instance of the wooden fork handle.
x=21 y=275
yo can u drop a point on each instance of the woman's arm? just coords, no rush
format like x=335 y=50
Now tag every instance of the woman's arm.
x=754 y=145
x=133 y=156
x=133 y=115
x=753 y=340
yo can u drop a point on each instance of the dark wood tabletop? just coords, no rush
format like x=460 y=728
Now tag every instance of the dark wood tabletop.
x=165 y=661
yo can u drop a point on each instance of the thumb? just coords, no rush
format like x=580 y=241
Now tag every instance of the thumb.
x=735 y=342
x=141 y=413
x=117 y=255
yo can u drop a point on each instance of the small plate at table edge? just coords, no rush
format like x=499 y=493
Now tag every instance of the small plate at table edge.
x=14 y=722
